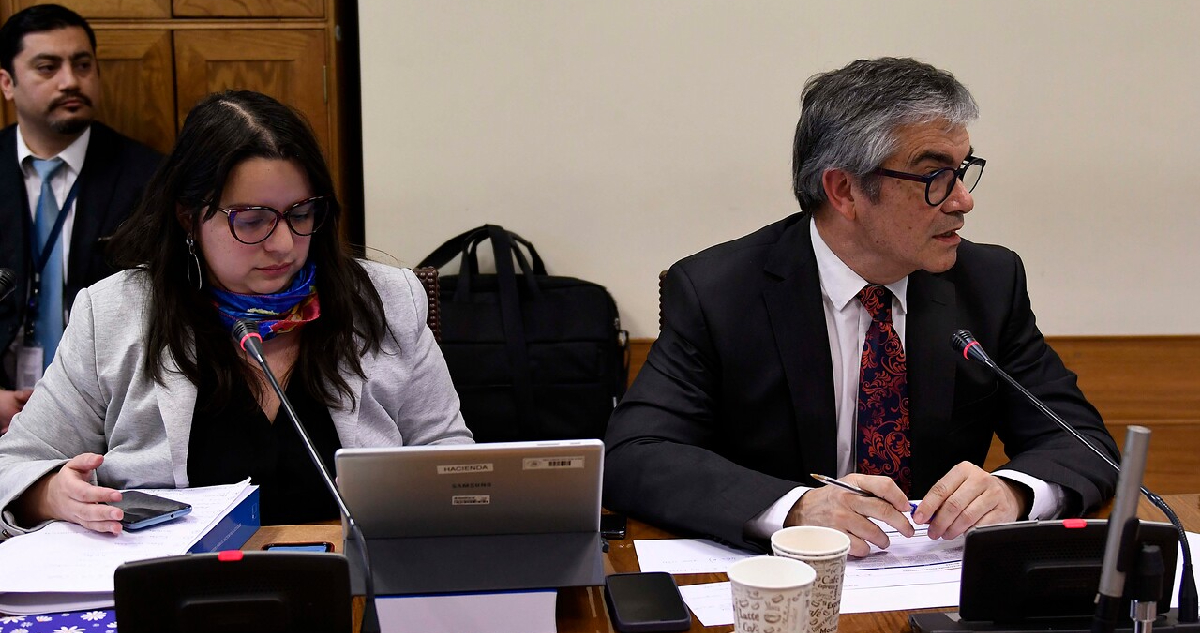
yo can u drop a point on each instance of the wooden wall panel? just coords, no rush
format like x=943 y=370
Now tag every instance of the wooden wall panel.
x=277 y=63
x=137 y=85
x=250 y=8
x=1136 y=377
x=289 y=49
x=1172 y=462
x=107 y=8
x=1148 y=380
x=137 y=93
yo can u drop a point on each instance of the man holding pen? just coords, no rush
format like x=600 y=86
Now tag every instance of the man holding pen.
x=821 y=344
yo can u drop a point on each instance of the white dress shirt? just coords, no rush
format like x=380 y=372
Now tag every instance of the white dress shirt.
x=61 y=181
x=846 y=322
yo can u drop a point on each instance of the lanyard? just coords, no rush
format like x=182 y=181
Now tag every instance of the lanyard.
x=42 y=258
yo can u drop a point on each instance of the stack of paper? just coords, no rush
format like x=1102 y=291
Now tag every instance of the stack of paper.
x=913 y=573
x=66 y=567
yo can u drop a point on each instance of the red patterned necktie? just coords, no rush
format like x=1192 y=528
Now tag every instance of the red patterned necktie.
x=883 y=445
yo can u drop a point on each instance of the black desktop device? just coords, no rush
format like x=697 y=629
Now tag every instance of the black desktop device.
x=233 y=592
x=1042 y=576
x=1047 y=569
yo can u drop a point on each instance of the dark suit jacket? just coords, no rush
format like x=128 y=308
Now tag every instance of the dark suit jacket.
x=734 y=406
x=115 y=171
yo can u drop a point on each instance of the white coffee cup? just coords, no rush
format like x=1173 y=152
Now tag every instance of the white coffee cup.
x=771 y=594
x=825 y=550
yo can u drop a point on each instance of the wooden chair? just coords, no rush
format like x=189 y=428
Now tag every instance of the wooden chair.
x=662 y=275
x=429 y=279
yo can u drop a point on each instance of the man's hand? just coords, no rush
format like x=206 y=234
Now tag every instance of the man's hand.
x=11 y=403
x=69 y=495
x=968 y=496
x=851 y=513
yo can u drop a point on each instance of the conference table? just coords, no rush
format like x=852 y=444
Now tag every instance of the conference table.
x=582 y=609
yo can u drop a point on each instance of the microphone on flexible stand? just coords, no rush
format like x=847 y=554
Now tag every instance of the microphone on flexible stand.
x=8 y=281
x=245 y=332
x=964 y=342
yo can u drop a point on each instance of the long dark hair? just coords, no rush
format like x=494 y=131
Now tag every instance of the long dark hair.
x=220 y=132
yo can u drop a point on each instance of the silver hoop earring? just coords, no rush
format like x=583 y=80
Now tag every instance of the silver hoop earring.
x=191 y=244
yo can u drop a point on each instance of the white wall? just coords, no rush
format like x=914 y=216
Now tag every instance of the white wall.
x=621 y=135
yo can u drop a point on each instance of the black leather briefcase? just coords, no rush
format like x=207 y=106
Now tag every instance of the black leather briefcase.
x=533 y=356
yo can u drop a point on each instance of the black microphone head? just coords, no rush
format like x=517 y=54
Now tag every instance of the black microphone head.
x=964 y=343
x=8 y=281
x=245 y=329
x=961 y=339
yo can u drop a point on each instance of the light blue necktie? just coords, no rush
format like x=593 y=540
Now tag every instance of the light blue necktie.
x=49 y=327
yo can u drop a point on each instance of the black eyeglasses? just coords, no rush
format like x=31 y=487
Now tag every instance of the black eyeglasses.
x=251 y=225
x=940 y=184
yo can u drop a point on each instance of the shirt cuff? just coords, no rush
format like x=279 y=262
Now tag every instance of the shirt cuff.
x=1048 y=497
x=771 y=520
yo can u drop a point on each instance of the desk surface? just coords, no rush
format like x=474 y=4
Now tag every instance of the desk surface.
x=582 y=609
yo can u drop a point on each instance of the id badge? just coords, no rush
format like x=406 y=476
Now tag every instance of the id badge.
x=29 y=365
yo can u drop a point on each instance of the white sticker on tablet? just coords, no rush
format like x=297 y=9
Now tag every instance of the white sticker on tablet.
x=543 y=463
x=464 y=469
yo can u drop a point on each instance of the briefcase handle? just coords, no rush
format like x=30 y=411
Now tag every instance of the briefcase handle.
x=505 y=251
x=461 y=243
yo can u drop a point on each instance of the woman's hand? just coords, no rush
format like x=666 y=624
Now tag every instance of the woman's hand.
x=69 y=495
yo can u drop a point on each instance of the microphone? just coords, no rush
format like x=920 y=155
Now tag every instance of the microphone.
x=964 y=343
x=1121 y=542
x=8 y=281
x=245 y=332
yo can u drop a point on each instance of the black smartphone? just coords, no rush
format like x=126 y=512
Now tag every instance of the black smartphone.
x=612 y=526
x=314 y=546
x=143 y=510
x=645 y=601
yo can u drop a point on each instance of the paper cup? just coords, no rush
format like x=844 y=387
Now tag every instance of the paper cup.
x=825 y=550
x=771 y=594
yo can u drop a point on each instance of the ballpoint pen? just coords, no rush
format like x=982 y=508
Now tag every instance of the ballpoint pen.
x=830 y=481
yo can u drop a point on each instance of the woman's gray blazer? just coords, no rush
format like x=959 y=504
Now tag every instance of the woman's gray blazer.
x=95 y=396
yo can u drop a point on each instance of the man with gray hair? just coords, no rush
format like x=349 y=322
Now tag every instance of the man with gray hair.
x=821 y=344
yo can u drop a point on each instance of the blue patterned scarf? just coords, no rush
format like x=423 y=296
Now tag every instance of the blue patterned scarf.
x=275 y=313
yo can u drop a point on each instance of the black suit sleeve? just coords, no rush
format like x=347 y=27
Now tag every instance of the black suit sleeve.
x=661 y=463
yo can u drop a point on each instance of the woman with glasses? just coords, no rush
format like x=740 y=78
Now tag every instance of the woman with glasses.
x=150 y=390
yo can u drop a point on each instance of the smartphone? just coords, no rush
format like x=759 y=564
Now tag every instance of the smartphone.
x=313 y=546
x=645 y=601
x=143 y=510
x=612 y=526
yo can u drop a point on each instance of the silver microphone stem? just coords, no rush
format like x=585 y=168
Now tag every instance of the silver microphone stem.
x=1143 y=613
x=1120 y=546
x=1129 y=483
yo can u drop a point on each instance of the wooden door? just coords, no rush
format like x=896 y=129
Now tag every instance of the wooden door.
x=286 y=64
x=137 y=85
x=107 y=8
x=250 y=8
